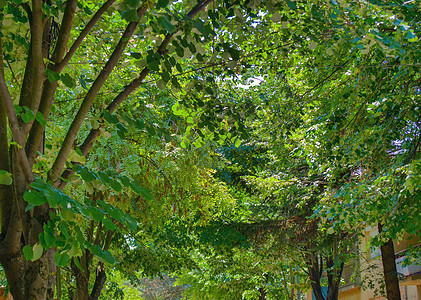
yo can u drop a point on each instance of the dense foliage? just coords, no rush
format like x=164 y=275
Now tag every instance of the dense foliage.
x=132 y=143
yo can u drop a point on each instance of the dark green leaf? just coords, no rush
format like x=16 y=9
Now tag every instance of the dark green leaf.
x=40 y=118
x=96 y=213
x=131 y=222
x=51 y=75
x=115 y=185
x=136 y=55
x=162 y=3
x=130 y=15
x=109 y=224
x=34 y=197
x=28 y=252
x=61 y=259
x=112 y=119
x=67 y=80
x=166 y=24
x=141 y=191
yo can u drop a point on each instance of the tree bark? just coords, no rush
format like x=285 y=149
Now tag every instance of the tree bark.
x=82 y=279
x=389 y=269
x=27 y=279
x=333 y=275
x=100 y=279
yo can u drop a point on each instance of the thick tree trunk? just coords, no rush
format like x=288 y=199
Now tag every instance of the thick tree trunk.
x=389 y=269
x=27 y=279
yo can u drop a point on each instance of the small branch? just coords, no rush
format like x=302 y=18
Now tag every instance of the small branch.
x=324 y=80
x=13 y=73
x=100 y=279
x=108 y=239
x=355 y=117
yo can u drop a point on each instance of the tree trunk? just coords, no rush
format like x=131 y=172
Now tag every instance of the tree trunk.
x=315 y=273
x=82 y=279
x=389 y=269
x=334 y=281
x=27 y=279
x=333 y=275
x=100 y=279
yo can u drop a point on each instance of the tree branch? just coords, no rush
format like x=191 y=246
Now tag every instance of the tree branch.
x=100 y=279
x=60 y=66
x=37 y=30
x=6 y=204
x=49 y=88
x=130 y=88
x=60 y=161
x=17 y=135
x=65 y=29
x=324 y=80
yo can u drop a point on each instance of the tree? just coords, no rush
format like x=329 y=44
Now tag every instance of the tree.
x=22 y=224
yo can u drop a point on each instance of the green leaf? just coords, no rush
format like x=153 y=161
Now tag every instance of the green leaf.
x=166 y=24
x=83 y=83
x=5 y=177
x=107 y=257
x=161 y=84
x=49 y=239
x=125 y=181
x=136 y=55
x=104 y=256
x=61 y=259
x=37 y=251
x=28 y=252
x=130 y=15
x=131 y=3
x=86 y=174
x=40 y=118
x=109 y=224
x=165 y=76
x=292 y=5
x=67 y=80
x=28 y=115
x=96 y=213
x=105 y=179
x=52 y=76
x=112 y=119
x=34 y=197
x=131 y=222
x=162 y=3
x=77 y=263
x=115 y=185
x=141 y=191
x=40 y=185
